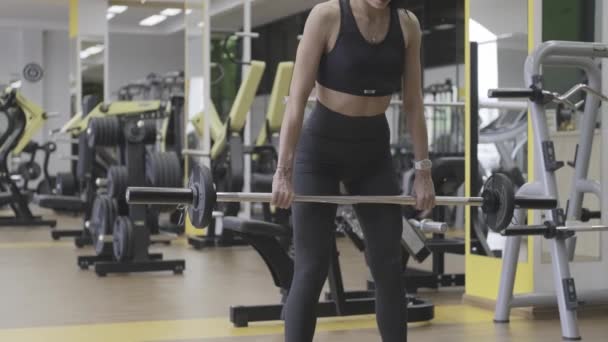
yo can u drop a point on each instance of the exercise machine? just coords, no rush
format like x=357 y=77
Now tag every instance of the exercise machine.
x=21 y=119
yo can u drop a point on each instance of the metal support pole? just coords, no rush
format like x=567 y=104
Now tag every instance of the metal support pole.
x=247 y=137
x=604 y=113
x=206 y=79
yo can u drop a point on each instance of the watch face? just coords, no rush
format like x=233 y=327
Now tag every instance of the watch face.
x=424 y=164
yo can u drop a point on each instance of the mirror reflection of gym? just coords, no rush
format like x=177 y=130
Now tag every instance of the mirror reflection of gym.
x=500 y=29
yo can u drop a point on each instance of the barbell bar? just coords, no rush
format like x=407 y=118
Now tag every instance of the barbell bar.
x=550 y=230
x=158 y=238
x=429 y=226
x=196 y=153
x=497 y=200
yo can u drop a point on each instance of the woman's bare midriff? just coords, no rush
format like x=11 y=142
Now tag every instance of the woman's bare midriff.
x=351 y=105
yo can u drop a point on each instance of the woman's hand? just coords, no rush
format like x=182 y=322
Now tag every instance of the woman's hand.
x=424 y=190
x=282 y=188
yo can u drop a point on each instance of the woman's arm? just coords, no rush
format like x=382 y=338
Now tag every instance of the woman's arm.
x=310 y=50
x=413 y=107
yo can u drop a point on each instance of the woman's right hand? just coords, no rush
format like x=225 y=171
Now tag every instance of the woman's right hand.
x=282 y=189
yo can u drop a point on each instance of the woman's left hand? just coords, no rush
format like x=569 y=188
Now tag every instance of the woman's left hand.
x=424 y=190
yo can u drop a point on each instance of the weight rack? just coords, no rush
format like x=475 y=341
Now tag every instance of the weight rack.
x=133 y=140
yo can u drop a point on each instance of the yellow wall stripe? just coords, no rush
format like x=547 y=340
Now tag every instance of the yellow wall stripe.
x=73 y=18
x=467 y=126
x=531 y=42
x=483 y=273
x=217 y=327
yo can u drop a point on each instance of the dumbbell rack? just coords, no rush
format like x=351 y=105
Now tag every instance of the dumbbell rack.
x=142 y=260
x=87 y=176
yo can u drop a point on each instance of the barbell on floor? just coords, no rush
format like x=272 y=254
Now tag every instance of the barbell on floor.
x=497 y=201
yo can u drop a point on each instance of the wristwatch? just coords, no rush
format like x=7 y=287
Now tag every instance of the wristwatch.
x=424 y=164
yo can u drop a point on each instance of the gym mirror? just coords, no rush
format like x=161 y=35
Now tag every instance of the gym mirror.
x=500 y=29
x=146 y=50
x=92 y=65
x=443 y=77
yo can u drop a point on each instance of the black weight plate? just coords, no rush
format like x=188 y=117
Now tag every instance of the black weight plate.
x=29 y=170
x=104 y=131
x=149 y=131
x=85 y=156
x=65 y=184
x=166 y=175
x=152 y=169
x=114 y=132
x=122 y=239
x=117 y=180
x=121 y=202
x=92 y=134
x=163 y=171
x=173 y=164
x=201 y=183
x=170 y=171
x=105 y=227
x=135 y=133
x=499 y=202
x=43 y=188
x=96 y=215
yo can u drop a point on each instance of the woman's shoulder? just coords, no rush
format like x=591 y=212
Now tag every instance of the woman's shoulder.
x=326 y=11
x=410 y=25
x=408 y=18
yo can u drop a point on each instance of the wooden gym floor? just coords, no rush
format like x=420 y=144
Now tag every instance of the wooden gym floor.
x=44 y=296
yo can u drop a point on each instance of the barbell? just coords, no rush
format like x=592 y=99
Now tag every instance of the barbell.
x=497 y=200
x=550 y=230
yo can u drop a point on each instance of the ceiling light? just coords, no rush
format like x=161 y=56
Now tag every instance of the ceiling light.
x=110 y=15
x=91 y=50
x=153 y=20
x=169 y=12
x=444 y=27
x=189 y=10
x=95 y=49
x=201 y=24
x=116 y=9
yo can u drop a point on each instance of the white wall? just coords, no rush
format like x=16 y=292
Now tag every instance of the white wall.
x=56 y=90
x=9 y=58
x=92 y=17
x=501 y=16
x=50 y=50
x=133 y=57
x=30 y=51
x=195 y=56
x=511 y=66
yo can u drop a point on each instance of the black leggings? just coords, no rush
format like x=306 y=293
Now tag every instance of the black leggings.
x=333 y=149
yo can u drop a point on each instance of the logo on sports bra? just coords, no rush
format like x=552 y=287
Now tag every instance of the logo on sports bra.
x=369 y=91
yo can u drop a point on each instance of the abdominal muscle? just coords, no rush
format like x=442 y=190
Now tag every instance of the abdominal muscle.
x=352 y=105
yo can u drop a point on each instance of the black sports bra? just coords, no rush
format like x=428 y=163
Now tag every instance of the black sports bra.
x=357 y=67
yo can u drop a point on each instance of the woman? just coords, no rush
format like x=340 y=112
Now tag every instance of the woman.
x=359 y=52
